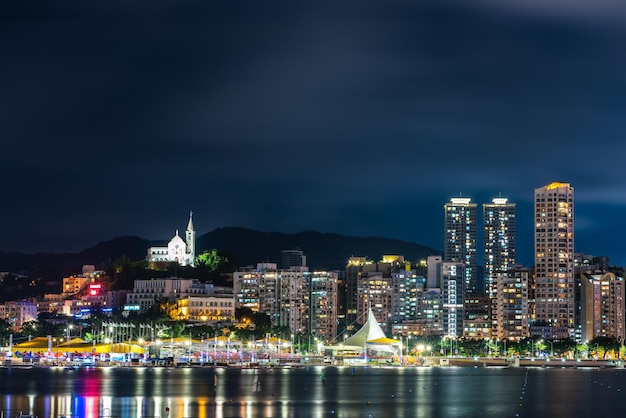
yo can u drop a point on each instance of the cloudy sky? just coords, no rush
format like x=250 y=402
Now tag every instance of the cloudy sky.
x=356 y=117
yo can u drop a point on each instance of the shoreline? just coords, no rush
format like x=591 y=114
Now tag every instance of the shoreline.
x=428 y=362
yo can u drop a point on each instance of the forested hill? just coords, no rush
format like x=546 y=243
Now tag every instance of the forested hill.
x=323 y=250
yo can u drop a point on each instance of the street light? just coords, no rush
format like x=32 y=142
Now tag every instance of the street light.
x=56 y=354
x=228 y=349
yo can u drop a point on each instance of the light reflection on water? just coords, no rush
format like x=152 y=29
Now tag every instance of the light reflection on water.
x=311 y=392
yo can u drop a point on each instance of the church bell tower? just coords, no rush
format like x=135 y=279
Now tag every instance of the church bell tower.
x=190 y=237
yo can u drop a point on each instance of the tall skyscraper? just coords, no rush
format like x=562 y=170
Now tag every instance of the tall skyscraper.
x=554 y=259
x=460 y=237
x=499 y=224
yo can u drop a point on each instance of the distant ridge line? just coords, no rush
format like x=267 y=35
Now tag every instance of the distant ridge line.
x=324 y=250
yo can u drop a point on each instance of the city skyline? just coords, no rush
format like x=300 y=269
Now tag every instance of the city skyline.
x=359 y=118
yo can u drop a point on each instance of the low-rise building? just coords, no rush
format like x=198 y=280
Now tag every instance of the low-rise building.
x=17 y=313
x=147 y=291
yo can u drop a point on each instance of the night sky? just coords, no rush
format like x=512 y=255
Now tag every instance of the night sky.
x=355 y=117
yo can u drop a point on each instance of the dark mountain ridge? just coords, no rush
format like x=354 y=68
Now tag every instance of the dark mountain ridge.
x=324 y=251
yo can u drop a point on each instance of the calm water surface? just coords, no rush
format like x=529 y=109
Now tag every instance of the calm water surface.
x=313 y=392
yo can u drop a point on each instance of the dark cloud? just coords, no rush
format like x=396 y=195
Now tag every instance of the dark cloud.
x=351 y=117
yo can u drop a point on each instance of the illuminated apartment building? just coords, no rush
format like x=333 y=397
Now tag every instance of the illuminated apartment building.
x=323 y=302
x=460 y=237
x=602 y=306
x=17 y=313
x=510 y=315
x=554 y=259
x=453 y=298
x=477 y=315
x=375 y=292
x=303 y=301
x=256 y=288
x=499 y=237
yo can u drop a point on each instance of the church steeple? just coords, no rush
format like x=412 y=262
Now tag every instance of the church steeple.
x=190 y=224
x=190 y=237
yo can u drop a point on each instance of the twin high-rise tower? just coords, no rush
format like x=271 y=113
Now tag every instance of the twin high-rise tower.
x=499 y=235
x=460 y=237
x=461 y=226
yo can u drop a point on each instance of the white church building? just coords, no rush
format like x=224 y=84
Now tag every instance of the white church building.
x=178 y=250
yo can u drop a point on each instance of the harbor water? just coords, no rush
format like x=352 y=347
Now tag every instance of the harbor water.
x=313 y=391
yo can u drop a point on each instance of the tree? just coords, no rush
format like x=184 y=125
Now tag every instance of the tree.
x=5 y=329
x=561 y=347
x=213 y=266
x=163 y=305
x=210 y=259
x=607 y=344
x=176 y=329
x=244 y=315
x=261 y=320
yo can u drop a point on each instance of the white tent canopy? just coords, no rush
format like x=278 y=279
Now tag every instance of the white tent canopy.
x=370 y=331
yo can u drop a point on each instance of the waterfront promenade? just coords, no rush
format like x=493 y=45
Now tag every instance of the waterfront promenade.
x=302 y=361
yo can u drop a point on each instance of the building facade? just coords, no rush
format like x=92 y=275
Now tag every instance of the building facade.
x=509 y=301
x=453 y=298
x=323 y=301
x=146 y=292
x=18 y=313
x=554 y=259
x=499 y=236
x=349 y=294
x=292 y=258
x=375 y=291
x=460 y=237
x=602 y=306
x=477 y=315
x=303 y=301
x=210 y=308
